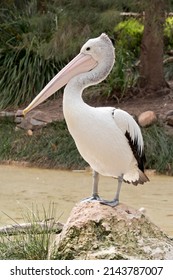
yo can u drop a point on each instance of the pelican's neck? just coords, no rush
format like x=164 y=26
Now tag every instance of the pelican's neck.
x=78 y=83
x=72 y=101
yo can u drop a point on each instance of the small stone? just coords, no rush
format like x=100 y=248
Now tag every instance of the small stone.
x=19 y=113
x=30 y=132
x=41 y=116
x=142 y=210
x=17 y=128
x=25 y=124
x=35 y=122
x=147 y=118
x=169 y=113
x=169 y=117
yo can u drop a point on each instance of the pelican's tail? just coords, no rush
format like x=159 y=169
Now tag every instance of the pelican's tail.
x=142 y=178
x=136 y=178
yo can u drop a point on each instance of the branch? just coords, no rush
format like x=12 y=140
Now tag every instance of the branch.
x=36 y=227
x=142 y=14
x=168 y=60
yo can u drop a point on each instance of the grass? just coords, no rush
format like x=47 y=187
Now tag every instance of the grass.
x=53 y=147
x=29 y=245
x=38 y=40
x=159 y=149
x=50 y=147
x=34 y=44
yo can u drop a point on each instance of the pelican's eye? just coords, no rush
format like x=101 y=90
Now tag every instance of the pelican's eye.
x=88 y=49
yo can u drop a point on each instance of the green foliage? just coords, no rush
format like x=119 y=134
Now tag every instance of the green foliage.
x=50 y=147
x=39 y=37
x=122 y=77
x=53 y=147
x=159 y=149
x=34 y=44
x=23 y=73
x=30 y=245
x=168 y=33
x=128 y=35
x=24 y=65
x=124 y=73
x=168 y=71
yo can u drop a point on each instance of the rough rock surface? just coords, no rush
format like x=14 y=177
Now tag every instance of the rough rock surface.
x=169 y=118
x=33 y=120
x=147 y=118
x=95 y=231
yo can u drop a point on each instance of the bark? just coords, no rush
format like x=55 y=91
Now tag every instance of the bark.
x=151 y=67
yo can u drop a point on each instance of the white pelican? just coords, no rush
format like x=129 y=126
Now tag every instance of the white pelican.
x=108 y=139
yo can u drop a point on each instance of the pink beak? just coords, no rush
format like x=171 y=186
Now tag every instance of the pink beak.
x=80 y=64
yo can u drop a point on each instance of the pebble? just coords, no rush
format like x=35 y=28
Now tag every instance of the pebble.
x=29 y=132
x=147 y=118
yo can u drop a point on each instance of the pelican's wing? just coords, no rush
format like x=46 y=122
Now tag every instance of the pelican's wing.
x=132 y=132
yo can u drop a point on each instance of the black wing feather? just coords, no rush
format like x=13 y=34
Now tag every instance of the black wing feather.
x=140 y=157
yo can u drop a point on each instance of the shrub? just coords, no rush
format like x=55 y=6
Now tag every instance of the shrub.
x=168 y=33
x=123 y=75
x=128 y=34
x=34 y=44
x=24 y=65
x=32 y=243
x=155 y=140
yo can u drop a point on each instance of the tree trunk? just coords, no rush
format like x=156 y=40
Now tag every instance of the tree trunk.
x=151 y=68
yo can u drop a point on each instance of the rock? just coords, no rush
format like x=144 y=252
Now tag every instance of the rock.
x=43 y=117
x=29 y=132
x=33 y=120
x=25 y=124
x=168 y=130
x=169 y=117
x=37 y=123
x=96 y=231
x=147 y=118
x=19 y=113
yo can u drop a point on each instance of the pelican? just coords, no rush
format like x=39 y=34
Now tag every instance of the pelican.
x=109 y=139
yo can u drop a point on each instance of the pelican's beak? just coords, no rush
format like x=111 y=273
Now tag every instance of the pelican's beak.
x=80 y=64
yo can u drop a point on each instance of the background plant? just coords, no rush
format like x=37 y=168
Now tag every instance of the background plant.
x=30 y=245
x=39 y=37
x=128 y=34
x=35 y=44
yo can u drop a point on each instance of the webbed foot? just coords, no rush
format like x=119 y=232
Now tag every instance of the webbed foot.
x=112 y=203
x=94 y=197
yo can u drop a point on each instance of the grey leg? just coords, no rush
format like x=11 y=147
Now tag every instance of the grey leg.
x=120 y=180
x=115 y=201
x=95 y=195
x=95 y=184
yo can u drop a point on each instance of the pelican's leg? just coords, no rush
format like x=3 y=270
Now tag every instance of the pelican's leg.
x=95 y=185
x=115 y=201
x=95 y=195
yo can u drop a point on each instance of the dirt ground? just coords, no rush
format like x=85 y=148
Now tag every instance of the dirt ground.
x=134 y=105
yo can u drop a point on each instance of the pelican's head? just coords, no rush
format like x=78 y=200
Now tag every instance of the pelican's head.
x=94 y=53
x=100 y=49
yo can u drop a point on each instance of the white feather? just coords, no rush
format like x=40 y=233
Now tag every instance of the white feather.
x=127 y=123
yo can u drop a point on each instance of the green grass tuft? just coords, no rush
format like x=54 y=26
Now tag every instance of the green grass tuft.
x=29 y=245
x=49 y=147
x=158 y=149
x=53 y=147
